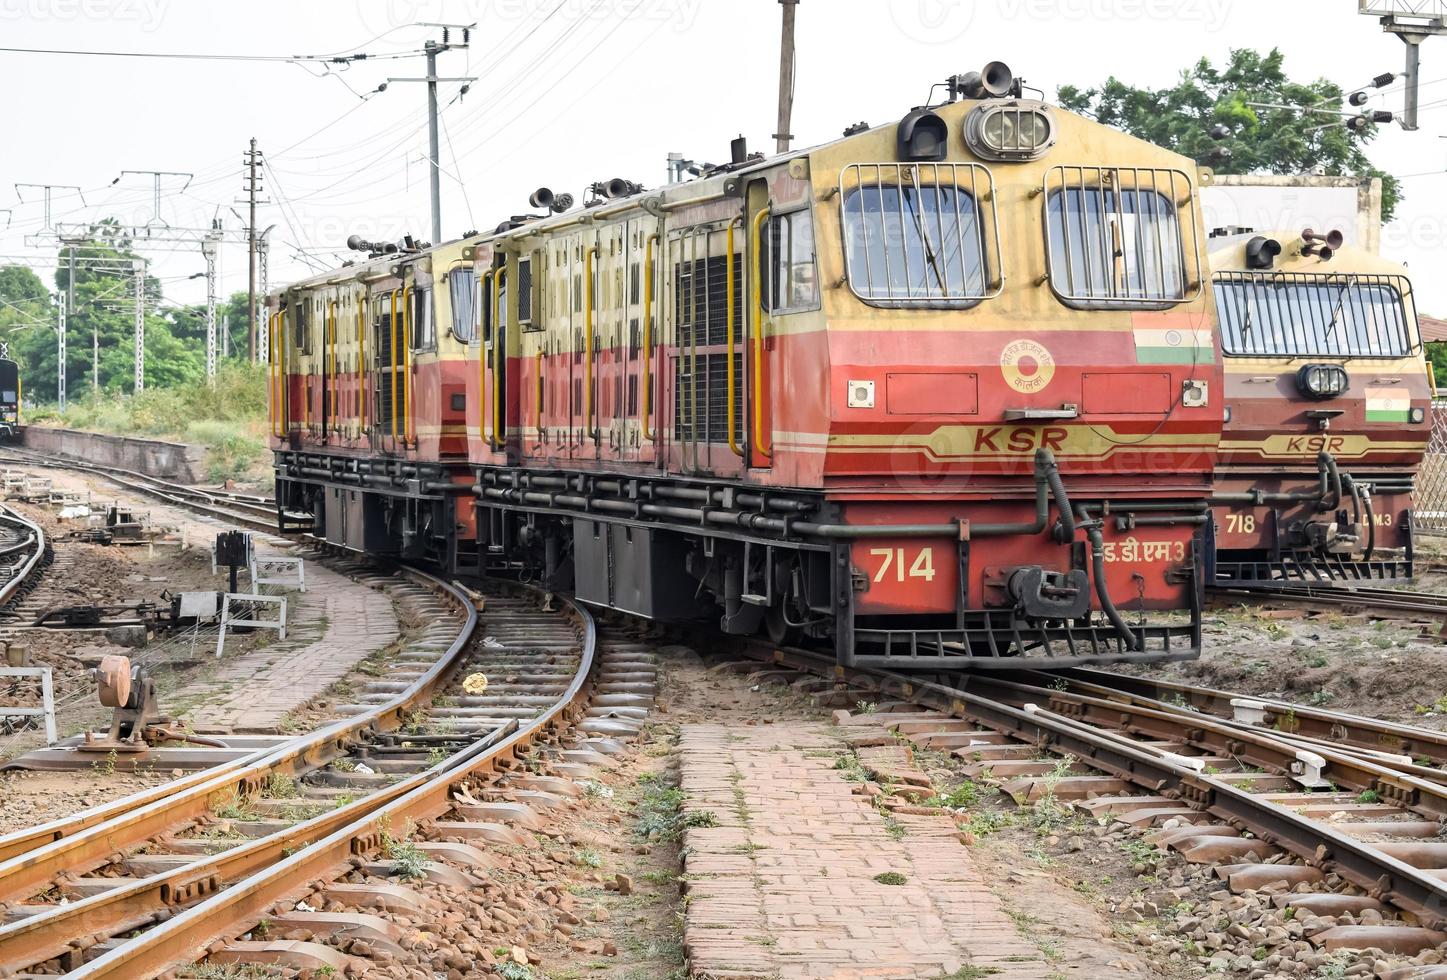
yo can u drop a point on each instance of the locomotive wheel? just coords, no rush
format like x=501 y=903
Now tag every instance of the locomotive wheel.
x=114 y=679
x=780 y=632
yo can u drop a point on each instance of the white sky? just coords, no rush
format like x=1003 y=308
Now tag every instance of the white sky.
x=572 y=91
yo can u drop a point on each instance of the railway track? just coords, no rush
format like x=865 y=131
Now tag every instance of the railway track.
x=142 y=866
x=1386 y=603
x=246 y=510
x=24 y=552
x=1345 y=810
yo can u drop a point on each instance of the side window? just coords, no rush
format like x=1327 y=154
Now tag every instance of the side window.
x=300 y=325
x=793 y=269
x=424 y=331
x=525 y=293
x=462 y=290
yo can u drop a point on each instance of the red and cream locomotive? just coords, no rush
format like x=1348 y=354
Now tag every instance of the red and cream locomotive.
x=943 y=393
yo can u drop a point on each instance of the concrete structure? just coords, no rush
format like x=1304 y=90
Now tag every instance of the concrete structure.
x=175 y=461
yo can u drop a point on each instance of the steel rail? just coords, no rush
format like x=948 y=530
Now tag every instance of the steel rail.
x=189 y=935
x=1383 y=600
x=1345 y=731
x=253 y=513
x=83 y=843
x=33 y=542
x=1320 y=845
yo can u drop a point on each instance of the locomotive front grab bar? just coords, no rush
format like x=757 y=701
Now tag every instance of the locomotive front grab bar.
x=486 y=318
x=588 y=321
x=729 y=333
x=757 y=371
x=499 y=351
x=647 y=419
x=393 y=386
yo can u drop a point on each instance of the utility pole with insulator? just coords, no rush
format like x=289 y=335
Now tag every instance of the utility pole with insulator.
x=253 y=188
x=786 y=78
x=61 y=322
x=432 y=50
x=140 y=270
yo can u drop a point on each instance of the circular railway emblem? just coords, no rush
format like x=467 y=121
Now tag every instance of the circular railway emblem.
x=1027 y=366
x=1173 y=338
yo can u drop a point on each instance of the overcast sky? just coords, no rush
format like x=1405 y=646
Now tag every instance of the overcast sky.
x=572 y=91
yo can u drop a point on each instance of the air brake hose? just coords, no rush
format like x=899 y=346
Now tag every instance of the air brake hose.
x=1102 y=592
x=1362 y=510
x=1331 y=482
x=1045 y=461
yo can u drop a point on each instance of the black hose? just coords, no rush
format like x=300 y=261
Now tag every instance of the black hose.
x=1331 y=482
x=1102 y=592
x=1045 y=461
x=1365 y=499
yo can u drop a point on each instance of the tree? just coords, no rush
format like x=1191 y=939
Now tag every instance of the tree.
x=1259 y=140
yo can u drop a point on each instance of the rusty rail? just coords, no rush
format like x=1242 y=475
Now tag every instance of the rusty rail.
x=1079 y=726
x=189 y=935
x=86 y=842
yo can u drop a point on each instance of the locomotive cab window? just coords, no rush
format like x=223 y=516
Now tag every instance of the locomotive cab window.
x=792 y=263
x=914 y=234
x=1305 y=315
x=424 y=331
x=1114 y=238
x=462 y=291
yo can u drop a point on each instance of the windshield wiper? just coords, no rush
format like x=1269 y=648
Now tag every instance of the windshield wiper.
x=929 y=249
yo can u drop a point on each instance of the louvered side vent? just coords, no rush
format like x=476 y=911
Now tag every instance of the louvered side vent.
x=700 y=409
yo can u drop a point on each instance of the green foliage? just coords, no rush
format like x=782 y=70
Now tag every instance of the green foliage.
x=1279 y=141
x=102 y=319
x=227 y=417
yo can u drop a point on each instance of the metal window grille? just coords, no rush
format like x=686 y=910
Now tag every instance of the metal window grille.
x=1113 y=237
x=1429 y=495
x=916 y=236
x=1313 y=315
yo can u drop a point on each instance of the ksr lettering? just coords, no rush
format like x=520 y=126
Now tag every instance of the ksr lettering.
x=1316 y=444
x=1019 y=440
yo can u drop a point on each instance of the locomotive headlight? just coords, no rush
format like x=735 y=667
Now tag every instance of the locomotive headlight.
x=1010 y=131
x=1417 y=415
x=1322 y=381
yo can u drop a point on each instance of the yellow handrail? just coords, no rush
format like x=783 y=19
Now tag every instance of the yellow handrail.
x=409 y=433
x=279 y=379
x=647 y=419
x=271 y=354
x=729 y=334
x=758 y=368
x=332 y=347
x=499 y=351
x=539 y=406
x=393 y=386
x=482 y=355
x=588 y=344
x=361 y=364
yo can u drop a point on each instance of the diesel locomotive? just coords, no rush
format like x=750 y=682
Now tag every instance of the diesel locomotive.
x=1328 y=400
x=941 y=394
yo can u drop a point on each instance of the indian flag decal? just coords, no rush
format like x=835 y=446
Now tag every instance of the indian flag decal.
x=1174 y=345
x=1386 y=403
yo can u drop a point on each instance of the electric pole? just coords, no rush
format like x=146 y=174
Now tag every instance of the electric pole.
x=60 y=351
x=209 y=249
x=786 y=78
x=252 y=186
x=433 y=49
x=140 y=269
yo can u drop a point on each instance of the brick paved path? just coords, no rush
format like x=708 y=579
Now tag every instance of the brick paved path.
x=784 y=884
x=333 y=626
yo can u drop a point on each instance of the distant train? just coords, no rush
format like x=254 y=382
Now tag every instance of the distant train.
x=1328 y=398
x=10 y=392
x=943 y=393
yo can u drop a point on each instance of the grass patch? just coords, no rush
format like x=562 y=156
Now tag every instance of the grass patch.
x=891 y=878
